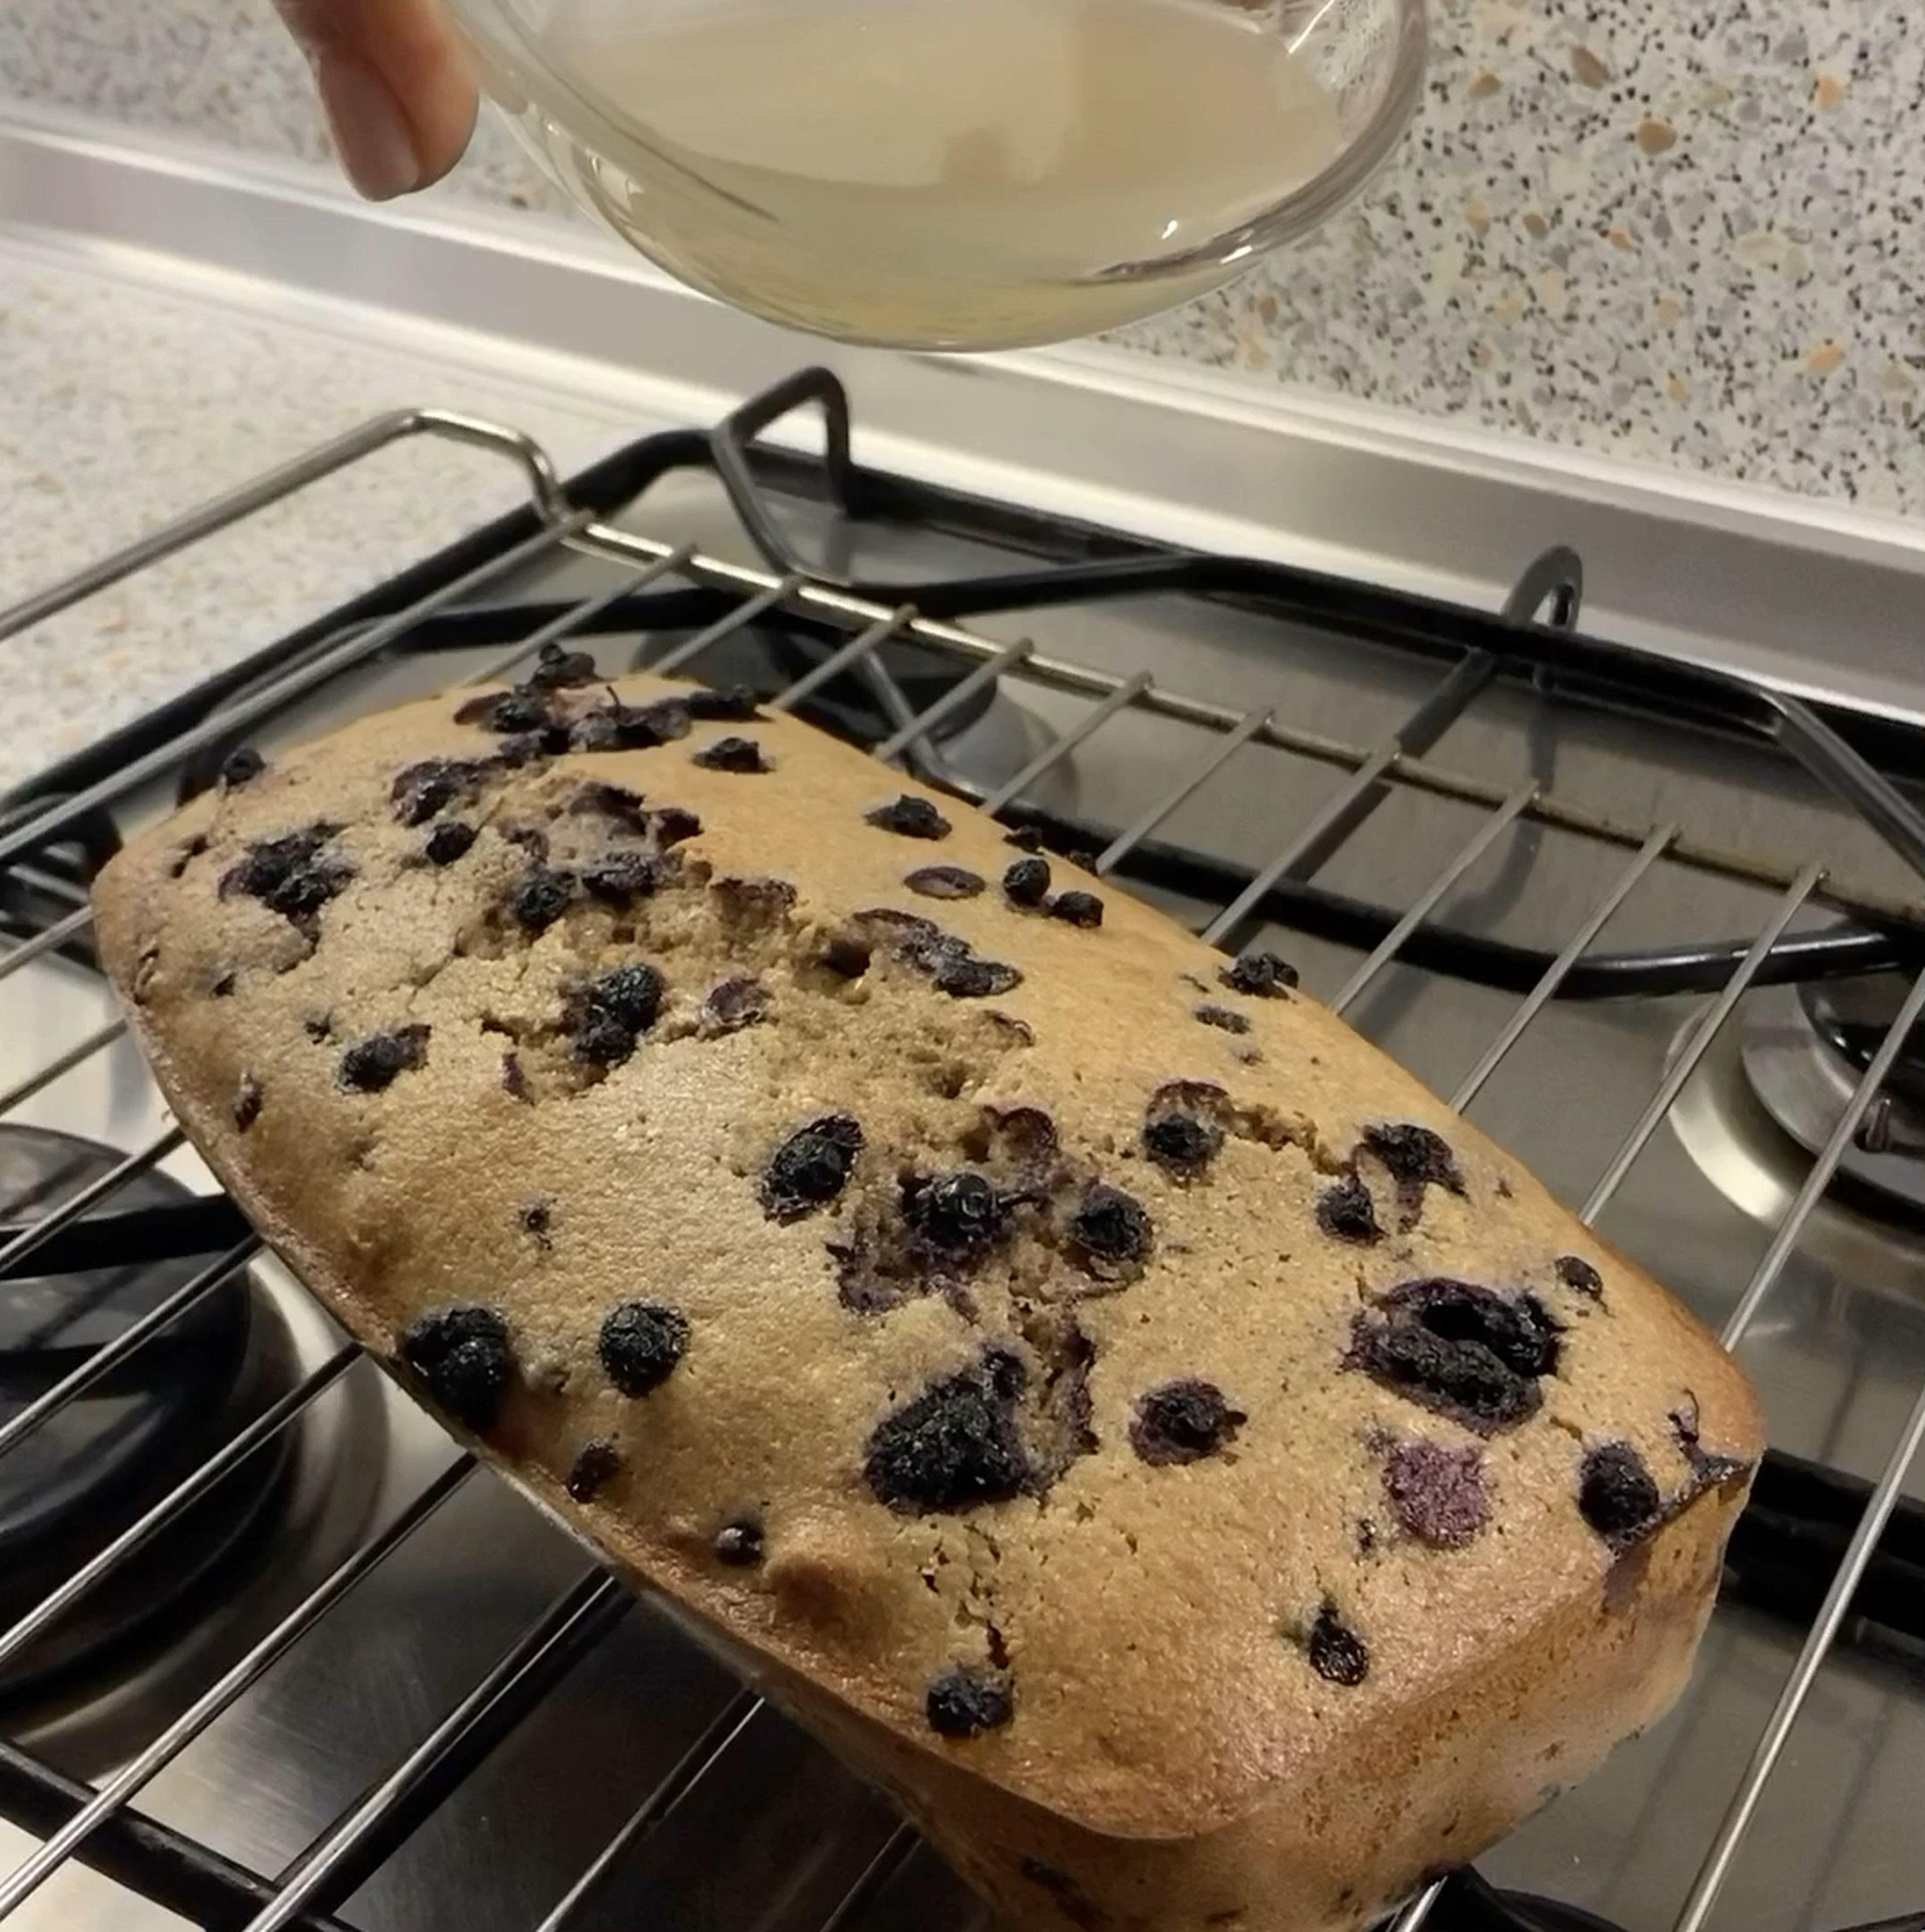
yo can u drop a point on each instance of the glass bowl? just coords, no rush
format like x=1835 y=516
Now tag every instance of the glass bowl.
x=954 y=174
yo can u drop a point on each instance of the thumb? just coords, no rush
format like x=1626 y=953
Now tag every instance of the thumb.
x=395 y=86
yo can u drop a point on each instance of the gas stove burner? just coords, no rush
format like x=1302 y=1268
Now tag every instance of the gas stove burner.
x=97 y=1465
x=1805 y=1049
x=982 y=742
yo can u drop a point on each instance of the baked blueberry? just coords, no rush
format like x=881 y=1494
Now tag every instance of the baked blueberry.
x=615 y=802
x=462 y=1355
x=610 y=1014
x=246 y=1102
x=1026 y=883
x=957 y=1214
x=557 y=669
x=944 y=882
x=613 y=726
x=449 y=841
x=595 y=1465
x=740 y=1000
x=640 y=1345
x=1263 y=976
x=1617 y=1494
x=739 y=1544
x=293 y=875
x=909 y=818
x=1346 y=1212
x=374 y=1064
x=965 y=1702
x=1416 y=1158
x=1225 y=1019
x=732 y=755
x=954 y=1445
x=1184 y=1421
x=422 y=791
x=1463 y=1351
x=963 y=976
x=734 y=705
x=1336 y=1651
x=811 y=1167
x=1077 y=908
x=240 y=766
x=1577 y=1275
x=541 y=899
x=672 y=824
x=626 y=877
x=1436 y=1492
x=1181 y=1143
x=1110 y=1230
x=1025 y=839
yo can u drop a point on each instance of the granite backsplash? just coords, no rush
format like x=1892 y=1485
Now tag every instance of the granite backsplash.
x=1693 y=236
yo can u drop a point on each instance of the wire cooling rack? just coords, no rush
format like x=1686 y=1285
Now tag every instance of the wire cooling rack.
x=856 y=626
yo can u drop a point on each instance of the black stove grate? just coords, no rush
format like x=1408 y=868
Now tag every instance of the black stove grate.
x=892 y=665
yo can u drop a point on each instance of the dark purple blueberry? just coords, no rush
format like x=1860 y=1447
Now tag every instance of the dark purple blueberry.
x=1025 y=884
x=462 y=1355
x=240 y=766
x=965 y=1702
x=293 y=875
x=246 y=1102
x=449 y=841
x=1464 y=1352
x=963 y=976
x=1437 y=1492
x=1577 y=1275
x=617 y=803
x=626 y=877
x=1025 y=839
x=422 y=791
x=514 y=1076
x=1346 y=1212
x=1225 y=1019
x=1263 y=976
x=741 y=1000
x=739 y=1544
x=594 y=1467
x=1109 y=1230
x=1183 y=1422
x=944 y=882
x=811 y=1167
x=608 y=1016
x=640 y=1345
x=558 y=670
x=1617 y=1496
x=737 y=705
x=374 y=1063
x=1416 y=1159
x=1336 y=1651
x=958 y=1214
x=672 y=824
x=742 y=755
x=954 y=1445
x=1075 y=908
x=613 y=726
x=909 y=818
x=509 y=714
x=541 y=899
x=1182 y=1143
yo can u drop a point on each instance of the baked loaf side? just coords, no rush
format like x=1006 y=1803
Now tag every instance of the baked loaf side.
x=1080 y=1363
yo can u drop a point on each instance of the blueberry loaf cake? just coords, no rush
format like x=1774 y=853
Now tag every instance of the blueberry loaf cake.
x=1119 y=1410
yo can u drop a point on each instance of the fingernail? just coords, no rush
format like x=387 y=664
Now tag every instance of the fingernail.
x=375 y=145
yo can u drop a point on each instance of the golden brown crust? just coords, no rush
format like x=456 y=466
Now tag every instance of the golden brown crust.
x=1174 y=1634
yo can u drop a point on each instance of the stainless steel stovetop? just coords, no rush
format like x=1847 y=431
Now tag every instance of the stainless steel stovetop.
x=327 y=1758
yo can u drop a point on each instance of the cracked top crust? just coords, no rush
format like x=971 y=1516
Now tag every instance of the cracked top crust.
x=931 y=1267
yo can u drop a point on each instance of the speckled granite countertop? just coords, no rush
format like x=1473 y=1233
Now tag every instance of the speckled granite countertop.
x=1694 y=234
x=117 y=413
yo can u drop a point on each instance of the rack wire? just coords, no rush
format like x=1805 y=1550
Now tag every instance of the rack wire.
x=101 y=1827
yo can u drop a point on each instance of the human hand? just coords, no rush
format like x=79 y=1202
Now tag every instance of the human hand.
x=395 y=86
